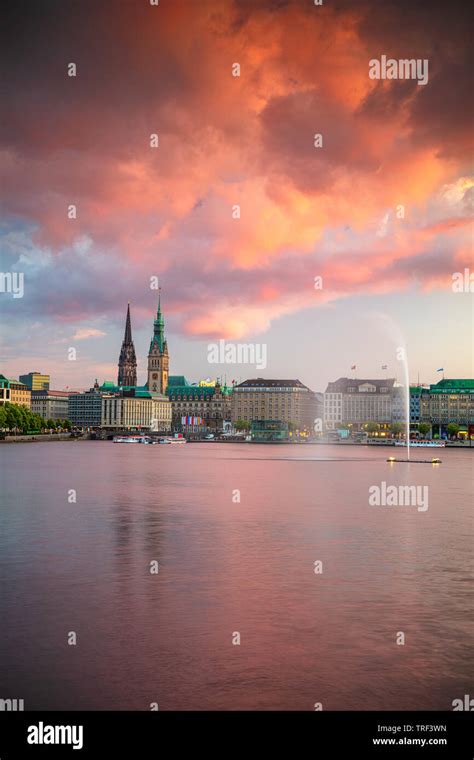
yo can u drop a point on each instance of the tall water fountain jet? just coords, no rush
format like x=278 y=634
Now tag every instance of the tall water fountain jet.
x=394 y=331
x=402 y=357
x=407 y=401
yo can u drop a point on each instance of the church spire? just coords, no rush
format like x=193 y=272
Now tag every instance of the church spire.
x=158 y=358
x=128 y=327
x=127 y=366
x=158 y=328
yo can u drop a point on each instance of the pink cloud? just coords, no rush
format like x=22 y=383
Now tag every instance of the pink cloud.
x=227 y=141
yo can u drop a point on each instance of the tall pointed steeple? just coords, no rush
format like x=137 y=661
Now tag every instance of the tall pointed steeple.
x=158 y=359
x=128 y=327
x=158 y=328
x=127 y=367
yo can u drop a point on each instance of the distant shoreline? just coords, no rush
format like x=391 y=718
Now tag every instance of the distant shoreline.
x=68 y=437
x=41 y=438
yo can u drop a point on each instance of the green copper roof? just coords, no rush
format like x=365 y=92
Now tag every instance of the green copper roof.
x=189 y=390
x=110 y=387
x=453 y=386
x=177 y=380
x=196 y=391
x=158 y=330
x=9 y=380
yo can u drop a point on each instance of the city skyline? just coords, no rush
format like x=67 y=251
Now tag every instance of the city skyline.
x=182 y=167
x=234 y=372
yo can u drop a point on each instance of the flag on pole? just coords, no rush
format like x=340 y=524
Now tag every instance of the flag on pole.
x=384 y=366
x=353 y=366
x=441 y=369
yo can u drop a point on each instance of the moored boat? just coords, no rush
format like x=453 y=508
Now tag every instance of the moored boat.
x=423 y=444
x=170 y=439
x=131 y=439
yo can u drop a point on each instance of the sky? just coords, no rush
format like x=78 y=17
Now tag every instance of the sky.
x=236 y=211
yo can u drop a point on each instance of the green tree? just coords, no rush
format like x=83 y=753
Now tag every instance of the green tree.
x=50 y=424
x=424 y=428
x=242 y=425
x=12 y=416
x=453 y=429
x=20 y=417
x=3 y=418
x=24 y=417
x=396 y=428
x=67 y=425
x=372 y=427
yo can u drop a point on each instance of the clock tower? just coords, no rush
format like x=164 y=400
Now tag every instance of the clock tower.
x=158 y=358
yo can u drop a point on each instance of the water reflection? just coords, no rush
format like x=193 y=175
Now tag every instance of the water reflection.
x=227 y=567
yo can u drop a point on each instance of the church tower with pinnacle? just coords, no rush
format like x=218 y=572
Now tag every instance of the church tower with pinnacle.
x=158 y=358
x=127 y=366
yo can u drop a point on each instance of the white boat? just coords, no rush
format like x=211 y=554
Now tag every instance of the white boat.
x=423 y=444
x=172 y=439
x=131 y=439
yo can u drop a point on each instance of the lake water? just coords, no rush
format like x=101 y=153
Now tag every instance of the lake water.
x=229 y=567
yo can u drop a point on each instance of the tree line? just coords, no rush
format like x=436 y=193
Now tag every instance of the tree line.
x=19 y=418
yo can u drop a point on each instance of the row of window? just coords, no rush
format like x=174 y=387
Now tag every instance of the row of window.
x=196 y=403
x=270 y=390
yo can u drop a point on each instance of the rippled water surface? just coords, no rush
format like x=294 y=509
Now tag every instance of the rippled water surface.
x=228 y=566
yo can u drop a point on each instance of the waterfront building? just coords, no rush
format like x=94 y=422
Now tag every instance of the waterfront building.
x=348 y=401
x=136 y=409
x=417 y=392
x=158 y=357
x=288 y=401
x=127 y=365
x=210 y=403
x=4 y=390
x=51 y=405
x=85 y=409
x=36 y=381
x=449 y=401
x=398 y=413
x=319 y=405
x=263 y=431
x=14 y=392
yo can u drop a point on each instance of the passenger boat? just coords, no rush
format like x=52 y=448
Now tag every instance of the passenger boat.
x=172 y=439
x=424 y=444
x=131 y=439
